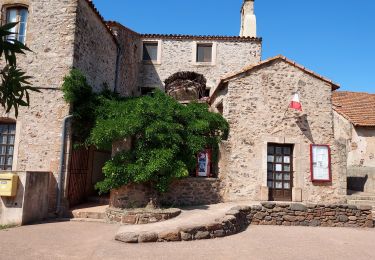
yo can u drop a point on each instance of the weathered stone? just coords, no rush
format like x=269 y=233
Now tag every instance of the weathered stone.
x=214 y=226
x=186 y=236
x=202 y=235
x=343 y=218
x=219 y=233
x=298 y=207
x=289 y=218
x=128 y=237
x=170 y=236
x=147 y=237
x=256 y=207
x=352 y=218
x=268 y=205
x=315 y=223
x=260 y=215
x=233 y=212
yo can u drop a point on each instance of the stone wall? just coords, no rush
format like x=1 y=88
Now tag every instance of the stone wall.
x=185 y=192
x=178 y=55
x=240 y=217
x=95 y=49
x=50 y=35
x=129 y=62
x=361 y=153
x=256 y=107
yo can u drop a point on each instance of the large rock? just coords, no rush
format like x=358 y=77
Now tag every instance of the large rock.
x=127 y=237
x=147 y=237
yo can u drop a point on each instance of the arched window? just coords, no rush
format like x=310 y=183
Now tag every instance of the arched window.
x=17 y=14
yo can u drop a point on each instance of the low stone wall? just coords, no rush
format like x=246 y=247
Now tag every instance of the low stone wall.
x=140 y=216
x=184 y=192
x=311 y=215
x=268 y=213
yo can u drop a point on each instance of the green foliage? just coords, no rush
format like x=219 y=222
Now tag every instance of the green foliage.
x=166 y=137
x=85 y=103
x=15 y=85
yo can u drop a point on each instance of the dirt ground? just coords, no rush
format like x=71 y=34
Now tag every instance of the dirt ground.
x=74 y=240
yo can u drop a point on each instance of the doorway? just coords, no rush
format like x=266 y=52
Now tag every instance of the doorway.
x=280 y=171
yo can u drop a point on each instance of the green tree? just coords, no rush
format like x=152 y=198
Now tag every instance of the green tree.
x=166 y=137
x=15 y=85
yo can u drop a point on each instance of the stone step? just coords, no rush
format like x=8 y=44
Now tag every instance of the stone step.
x=88 y=211
x=362 y=202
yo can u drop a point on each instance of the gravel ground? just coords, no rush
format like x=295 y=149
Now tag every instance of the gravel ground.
x=75 y=240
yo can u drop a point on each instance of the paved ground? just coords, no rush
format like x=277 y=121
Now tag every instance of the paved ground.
x=74 y=240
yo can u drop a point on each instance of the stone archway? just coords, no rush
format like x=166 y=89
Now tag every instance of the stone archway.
x=186 y=86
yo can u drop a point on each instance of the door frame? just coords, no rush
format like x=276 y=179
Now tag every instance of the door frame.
x=291 y=163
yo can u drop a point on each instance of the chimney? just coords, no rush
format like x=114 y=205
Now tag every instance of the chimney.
x=248 y=19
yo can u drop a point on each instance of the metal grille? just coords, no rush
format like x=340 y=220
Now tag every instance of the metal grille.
x=7 y=137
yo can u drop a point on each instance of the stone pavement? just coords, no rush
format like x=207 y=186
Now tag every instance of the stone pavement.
x=91 y=241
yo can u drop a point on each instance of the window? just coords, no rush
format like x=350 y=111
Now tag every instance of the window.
x=17 y=15
x=204 y=52
x=7 y=137
x=150 y=51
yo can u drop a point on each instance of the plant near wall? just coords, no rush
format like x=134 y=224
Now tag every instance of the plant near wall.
x=165 y=135
x=85 y=104
x=15 y=86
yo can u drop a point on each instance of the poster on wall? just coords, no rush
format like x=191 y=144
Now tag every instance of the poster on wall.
x=321 y=163
x=204 y=164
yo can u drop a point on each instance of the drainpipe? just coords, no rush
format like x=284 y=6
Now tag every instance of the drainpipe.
x=117 y=68
x=61 y=166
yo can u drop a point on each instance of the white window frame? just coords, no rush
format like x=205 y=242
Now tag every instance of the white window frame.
x=5 y=11
x=158 y=61
x=195 y=50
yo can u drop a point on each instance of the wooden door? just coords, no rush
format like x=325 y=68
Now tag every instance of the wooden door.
x=280 y=172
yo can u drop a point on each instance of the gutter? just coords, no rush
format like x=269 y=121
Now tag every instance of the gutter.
x=61 y=176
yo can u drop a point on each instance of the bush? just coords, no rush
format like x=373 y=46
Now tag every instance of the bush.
x=166 y=137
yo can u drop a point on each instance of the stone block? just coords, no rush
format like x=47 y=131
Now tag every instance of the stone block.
x=170 y=236
x=202 y=235
x=128 y=237
x=297 y=195
x=268 y=205
x=147 y=237
x=297 y=207
x=264 y=193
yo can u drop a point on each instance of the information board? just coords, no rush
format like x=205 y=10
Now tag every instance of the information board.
x=320 y=163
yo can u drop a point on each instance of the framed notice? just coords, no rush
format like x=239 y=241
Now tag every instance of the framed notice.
x=320 y=163
x=204 y=164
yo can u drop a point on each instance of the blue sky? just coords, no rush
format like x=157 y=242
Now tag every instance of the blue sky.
x=335 y=38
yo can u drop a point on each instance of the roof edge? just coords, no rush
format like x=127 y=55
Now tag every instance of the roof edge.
x=204 y=37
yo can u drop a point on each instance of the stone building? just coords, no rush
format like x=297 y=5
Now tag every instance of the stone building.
x=355 y=125
x=72 y=34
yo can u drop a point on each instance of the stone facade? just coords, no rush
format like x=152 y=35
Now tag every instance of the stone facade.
x=180 y=55
x=95 y=48
x=129 y=65
x=256 y=107
x=184 y=192
x=360 y=143
x=60 y=40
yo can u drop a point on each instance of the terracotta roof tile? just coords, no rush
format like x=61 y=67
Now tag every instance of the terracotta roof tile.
x=357 y=107
x=201 y=37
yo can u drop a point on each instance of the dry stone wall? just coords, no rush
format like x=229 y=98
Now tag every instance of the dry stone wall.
x=256 y=107
x=240 y=217
x=184 y=192
x=178 y=55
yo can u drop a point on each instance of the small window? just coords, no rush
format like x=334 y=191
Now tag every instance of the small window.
x=17 y=15
x=150 y=51
x=204 y=52
x=7 y=138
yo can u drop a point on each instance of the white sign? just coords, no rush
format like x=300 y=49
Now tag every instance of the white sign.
x=320 y=163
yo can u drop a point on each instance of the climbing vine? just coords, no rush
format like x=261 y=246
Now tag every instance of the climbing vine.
x=165 y=135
